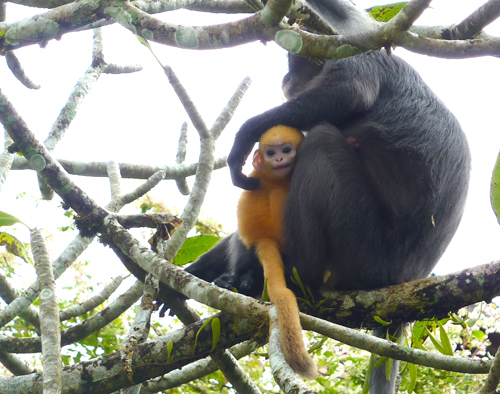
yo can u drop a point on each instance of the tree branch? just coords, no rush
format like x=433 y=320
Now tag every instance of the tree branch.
x=14 y=364
x=179 y=159
x=139 y=331
x=6 y=160
x=193 y=371
x=393 y=350
x=152 y=359
x=128 y=171
x=408 y=15
x=476 y=21
x=17 y=70
x=114 y=180
x=9 y=294
x=283 y=374
x=92 y=302
x=417 y=300
x=67 y=257
x=493 y=379
x=227 y=113
x=186 y=101
x=49 y=309
x=79 y=331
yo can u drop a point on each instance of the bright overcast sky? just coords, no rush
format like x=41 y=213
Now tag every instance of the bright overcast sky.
x=137 y=118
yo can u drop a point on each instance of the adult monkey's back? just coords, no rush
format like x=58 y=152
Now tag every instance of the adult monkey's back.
x=381 y=179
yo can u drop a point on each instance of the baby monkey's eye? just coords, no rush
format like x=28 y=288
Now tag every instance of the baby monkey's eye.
x=270 y=152
x=287 y=149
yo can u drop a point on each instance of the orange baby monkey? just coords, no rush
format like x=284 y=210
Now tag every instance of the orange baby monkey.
x=260 y=215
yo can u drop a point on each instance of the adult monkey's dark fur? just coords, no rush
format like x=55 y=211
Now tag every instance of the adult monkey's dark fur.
x=380 y=181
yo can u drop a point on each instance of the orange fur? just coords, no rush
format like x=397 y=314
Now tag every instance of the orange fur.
x=260 y=214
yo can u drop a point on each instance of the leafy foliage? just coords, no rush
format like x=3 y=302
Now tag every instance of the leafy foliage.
x=495 y=189
x=384 y=13
x=194 y=247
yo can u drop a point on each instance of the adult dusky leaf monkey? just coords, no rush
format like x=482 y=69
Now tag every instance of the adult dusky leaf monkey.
x=380 y=180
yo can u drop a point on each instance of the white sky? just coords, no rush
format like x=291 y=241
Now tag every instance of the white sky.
x=137 y=118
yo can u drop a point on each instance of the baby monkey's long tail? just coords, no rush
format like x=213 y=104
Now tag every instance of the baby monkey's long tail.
x=292 y=341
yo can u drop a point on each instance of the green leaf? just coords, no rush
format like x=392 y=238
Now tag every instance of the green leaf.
x=366 y=383
x=14 y=246
x=170 y=346
x=495 y=189
x=215 y=332
x=418 y=345
x=298 y=282
x=383 y=322
x=9 y=220
x=388 y=368
x=439 y=347
x=479 y=334
x=265 y=294
x=384 y=13
x=445 y=340
x=419 y=330
x=455 y=319
x=381 y=361
x=200 y=330
x=472 y=322
x=318 y=344
x=194 y=247
x=413 y=377
x=145 y=42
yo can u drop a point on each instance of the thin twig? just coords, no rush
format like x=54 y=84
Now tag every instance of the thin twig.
x=114 y=180
x=476 y=21
x=93 y=302
x=179 y=159
x=9 y=294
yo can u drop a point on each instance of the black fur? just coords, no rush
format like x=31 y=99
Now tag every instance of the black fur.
x=215 y=262
x=380 y=194
x=231 y=265
x=380 y=180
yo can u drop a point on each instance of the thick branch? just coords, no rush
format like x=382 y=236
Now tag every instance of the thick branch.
x=170 y=298
x=152 y=359
x=14 y=364
x=425 y=298
x=49 y=310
